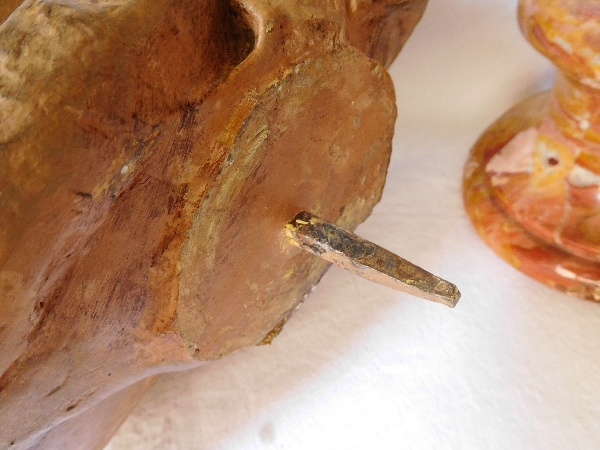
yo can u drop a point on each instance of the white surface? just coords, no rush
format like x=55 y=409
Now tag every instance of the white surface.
x=514 y=366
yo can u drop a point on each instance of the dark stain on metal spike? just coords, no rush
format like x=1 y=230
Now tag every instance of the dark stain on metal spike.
x=367 y=260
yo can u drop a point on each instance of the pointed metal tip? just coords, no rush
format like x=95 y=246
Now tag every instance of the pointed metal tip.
x=451 y=296
x=367 y=260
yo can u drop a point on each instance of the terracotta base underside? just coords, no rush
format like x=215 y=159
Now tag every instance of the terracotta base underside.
x=510 y=238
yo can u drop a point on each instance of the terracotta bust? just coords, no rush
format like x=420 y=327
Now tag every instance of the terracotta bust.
x=151 y=153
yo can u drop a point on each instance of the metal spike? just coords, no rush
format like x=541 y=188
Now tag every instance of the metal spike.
x=367 y=260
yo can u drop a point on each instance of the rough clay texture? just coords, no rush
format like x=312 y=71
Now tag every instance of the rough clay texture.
x=151 y=153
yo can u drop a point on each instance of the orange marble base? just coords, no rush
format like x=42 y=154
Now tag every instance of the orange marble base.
x=512 y=199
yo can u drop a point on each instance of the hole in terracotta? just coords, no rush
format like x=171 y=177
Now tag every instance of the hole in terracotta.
x=237 y=32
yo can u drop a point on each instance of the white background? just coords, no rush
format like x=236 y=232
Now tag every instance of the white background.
x=515 y=366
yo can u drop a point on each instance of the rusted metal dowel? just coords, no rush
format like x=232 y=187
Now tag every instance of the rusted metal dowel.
x=367 y=260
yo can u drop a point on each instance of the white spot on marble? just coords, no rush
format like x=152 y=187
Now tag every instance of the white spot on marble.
x=470 y=168
x=582 y=178
x=560 y=270
x=562 y=43
x=566 y=273
x=591 y=82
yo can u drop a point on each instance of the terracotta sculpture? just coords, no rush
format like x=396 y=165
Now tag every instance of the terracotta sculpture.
x=151 y=153
x=532 y=183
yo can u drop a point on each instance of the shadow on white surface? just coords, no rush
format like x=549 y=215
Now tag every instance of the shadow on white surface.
x=361 y=366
